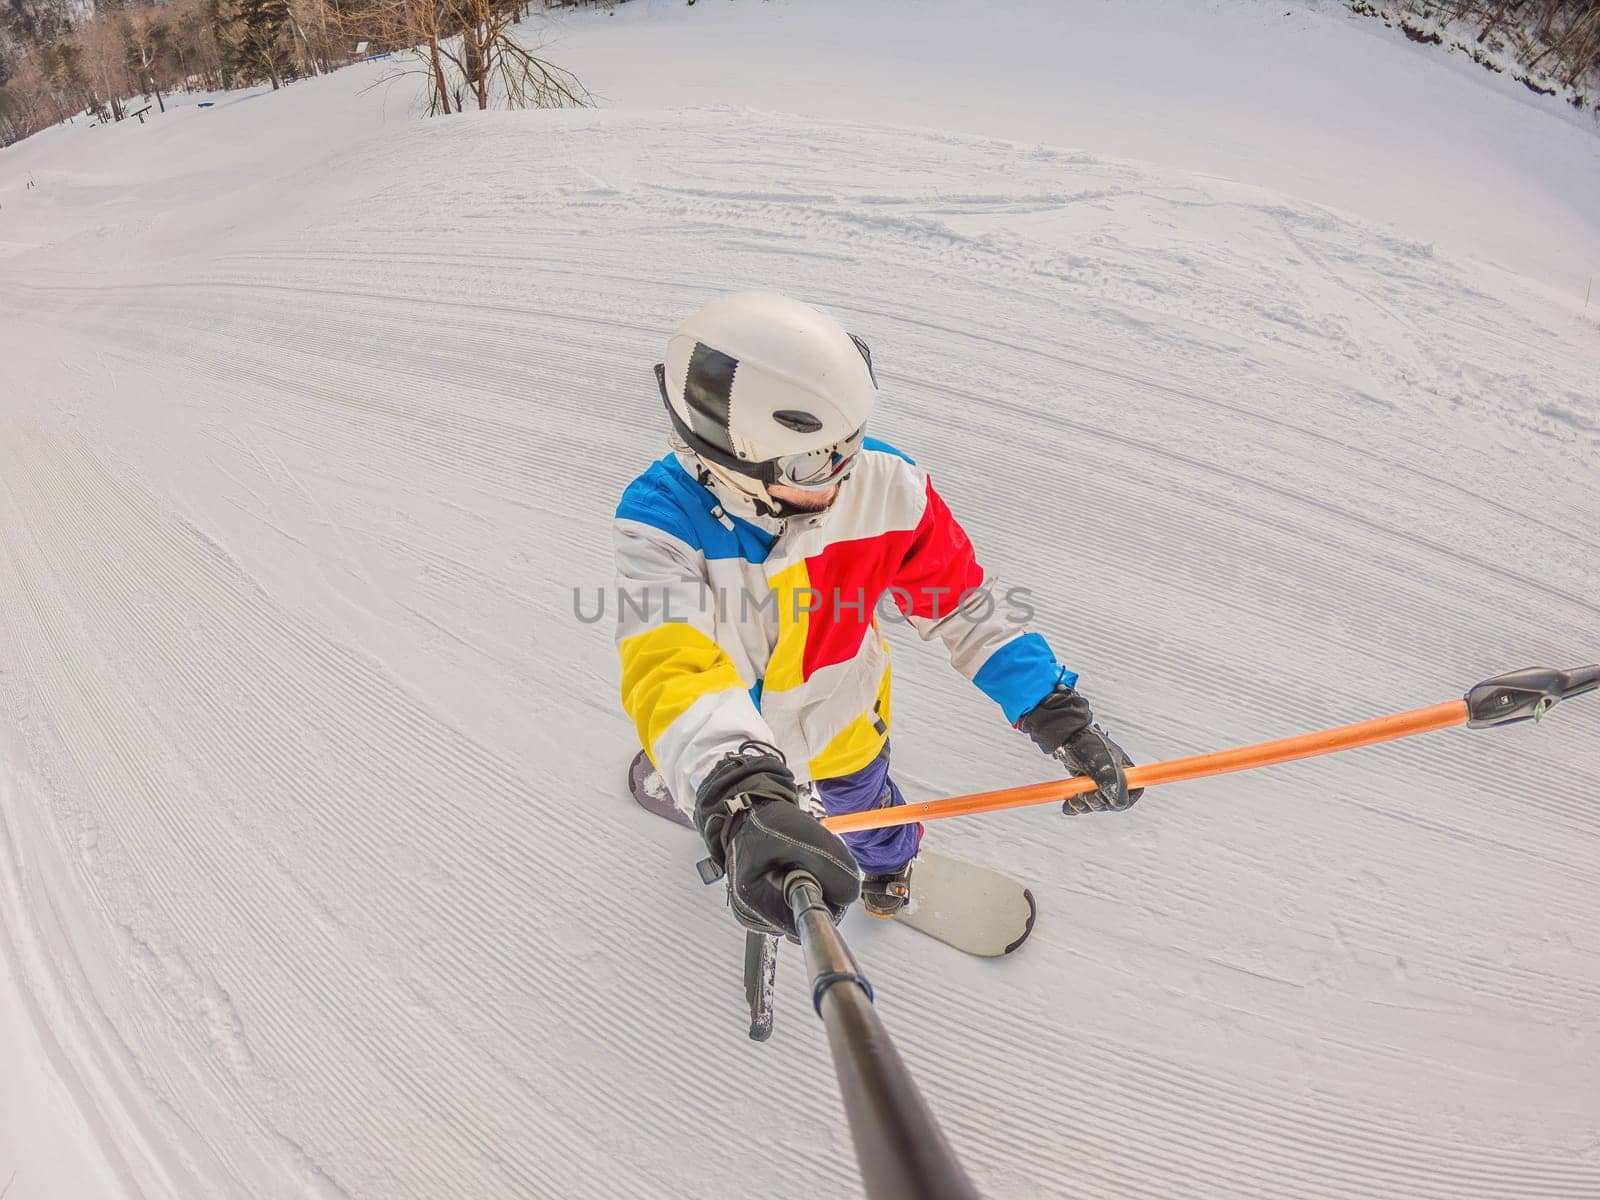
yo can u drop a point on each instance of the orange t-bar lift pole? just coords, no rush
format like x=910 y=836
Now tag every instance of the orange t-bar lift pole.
x=1517 y=696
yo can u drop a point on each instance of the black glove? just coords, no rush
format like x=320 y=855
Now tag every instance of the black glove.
x=748 y=811
x=1063 y=727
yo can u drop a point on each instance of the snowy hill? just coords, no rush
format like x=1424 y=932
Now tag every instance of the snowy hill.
x=315 y=879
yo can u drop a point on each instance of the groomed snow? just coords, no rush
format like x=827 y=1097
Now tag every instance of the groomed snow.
x=315 y=879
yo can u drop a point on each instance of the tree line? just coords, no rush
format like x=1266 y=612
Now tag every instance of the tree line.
x=59 y=59
x=1558 y=37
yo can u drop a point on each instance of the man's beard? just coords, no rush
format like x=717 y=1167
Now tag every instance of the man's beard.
x=811 y=501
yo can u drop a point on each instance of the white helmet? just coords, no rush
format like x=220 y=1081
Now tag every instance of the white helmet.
x=766 y=390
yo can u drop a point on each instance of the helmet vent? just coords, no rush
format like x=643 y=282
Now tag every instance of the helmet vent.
x=800 y=422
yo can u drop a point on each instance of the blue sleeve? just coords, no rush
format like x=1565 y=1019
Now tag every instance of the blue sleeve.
x=872 y=443
x=1021 y=673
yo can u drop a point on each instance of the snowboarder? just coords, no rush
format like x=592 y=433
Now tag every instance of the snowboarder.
x=753 y=563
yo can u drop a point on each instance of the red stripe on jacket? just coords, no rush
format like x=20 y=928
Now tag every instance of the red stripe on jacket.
x=925 y=569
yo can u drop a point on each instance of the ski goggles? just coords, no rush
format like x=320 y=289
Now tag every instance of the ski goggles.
x=810 y=470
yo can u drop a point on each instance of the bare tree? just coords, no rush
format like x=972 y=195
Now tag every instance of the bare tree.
x=317 y=35
x=28 y=100
x=470 y=53
x=105 y=65
x=195 y=50
x=145 y=32
x=1571 y=37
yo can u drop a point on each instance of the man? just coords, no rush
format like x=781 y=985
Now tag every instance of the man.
x=752 y=564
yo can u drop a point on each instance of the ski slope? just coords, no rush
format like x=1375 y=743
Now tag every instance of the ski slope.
x=316 y=879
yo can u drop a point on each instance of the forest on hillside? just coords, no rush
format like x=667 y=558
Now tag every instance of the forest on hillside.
x=59 y=60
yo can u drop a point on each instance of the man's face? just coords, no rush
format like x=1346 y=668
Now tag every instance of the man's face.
x=799 y=498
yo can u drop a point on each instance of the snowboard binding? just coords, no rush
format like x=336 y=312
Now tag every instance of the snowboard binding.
x=886 y=896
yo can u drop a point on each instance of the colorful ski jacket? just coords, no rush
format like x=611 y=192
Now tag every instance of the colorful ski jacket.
x=732 y=627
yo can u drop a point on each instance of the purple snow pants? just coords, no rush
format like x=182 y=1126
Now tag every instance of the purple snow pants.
x=878 y=851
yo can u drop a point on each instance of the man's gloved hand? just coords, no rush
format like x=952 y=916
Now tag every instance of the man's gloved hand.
x=1063 y=727
x=748 y=811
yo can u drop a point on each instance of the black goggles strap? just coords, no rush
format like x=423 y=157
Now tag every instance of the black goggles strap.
x=764 y=472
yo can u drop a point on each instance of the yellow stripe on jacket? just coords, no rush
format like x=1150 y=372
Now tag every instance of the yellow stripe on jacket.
x=859 y=742
x=786 y=667
x=664 y=671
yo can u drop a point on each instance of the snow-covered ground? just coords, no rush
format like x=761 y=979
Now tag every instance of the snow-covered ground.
x=1303 y=98
x=315 y=880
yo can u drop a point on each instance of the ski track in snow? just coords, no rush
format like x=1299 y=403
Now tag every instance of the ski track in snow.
x=316 y=863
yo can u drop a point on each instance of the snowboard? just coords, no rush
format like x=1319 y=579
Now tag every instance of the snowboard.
x=974 y=909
